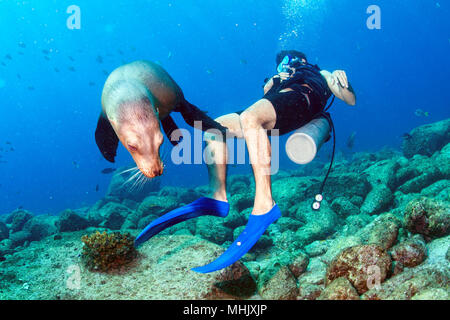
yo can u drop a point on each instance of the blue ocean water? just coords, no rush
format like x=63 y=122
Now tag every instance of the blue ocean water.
x=219 y=52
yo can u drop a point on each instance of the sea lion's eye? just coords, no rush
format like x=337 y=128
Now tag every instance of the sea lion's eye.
x=132 y=148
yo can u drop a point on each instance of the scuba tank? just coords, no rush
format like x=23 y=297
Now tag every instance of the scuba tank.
x=303 y=145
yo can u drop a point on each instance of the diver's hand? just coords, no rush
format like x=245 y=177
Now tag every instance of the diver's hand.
x=341 y=78
x=284 y=76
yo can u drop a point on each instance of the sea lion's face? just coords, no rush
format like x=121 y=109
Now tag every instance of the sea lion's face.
x=140 y=133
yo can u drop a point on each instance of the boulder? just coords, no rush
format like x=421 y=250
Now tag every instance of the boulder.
x=339 y=289
x=40 y=227
x=277 y=283
x=112 y=215
x=410 y=253
x=344 y=207
x=427 y=139
x=157 y=205
x=377 y=200
x=299 y=264
x=18 y=218
x=411 y=282
x=69 y=220
x=362 y=265
x=4 y=231
x=19 y=238
x=212 y=229
x=383 y=231
x=428 y=217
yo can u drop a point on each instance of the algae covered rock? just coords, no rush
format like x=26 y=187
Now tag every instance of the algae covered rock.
x=428 y=217
x=318 y=224
x=427 y=139
x=112 y=216
x=410 y=253
x=377 y=200
x=157 y=205
x=363 y=265
x=411 y=282
x=277 y=283
x=19 y=238
x=107 y=252
x=69 y=220
x=4 y=231
x=39 y=227
x=18 y=218
x=299 y=264
x=344 y=207
x=212 y=229
x=382 y=231
x=339 y=289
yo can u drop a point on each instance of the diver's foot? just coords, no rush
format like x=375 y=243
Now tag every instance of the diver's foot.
x=260 y=209
x=200 y=207
x=256 y=226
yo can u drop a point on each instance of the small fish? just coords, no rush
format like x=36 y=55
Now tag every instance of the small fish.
x=20 y=207
x=75 y=164
x=209 y=71
x=19 y=76
x=97 y=187
x=105 y=72
x=108 y=170
x=2 y=161
x=99 y=59
x=22 y=44
x=20 y=53
x=12 y=149
x=56 y=69
x=91 y=83
x=8 y=142
x=3 y=64
x=47 y=58
x=243 y=61
x=351 y=140
x=45 y=51
x=8 y=56
x=31 y=88
x=120 y=52
x=71 y=69
x=71 y=58
x=169 y=55
x=421 y=113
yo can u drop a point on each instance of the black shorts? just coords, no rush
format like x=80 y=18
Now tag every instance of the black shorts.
x=292 y=109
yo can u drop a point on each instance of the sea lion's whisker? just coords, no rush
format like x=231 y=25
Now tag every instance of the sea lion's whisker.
x=132 y=177
x=128 y=170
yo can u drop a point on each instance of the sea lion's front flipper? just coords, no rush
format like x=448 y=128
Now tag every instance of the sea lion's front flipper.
x=106 y=138
x=192 y=113
x=169 y=127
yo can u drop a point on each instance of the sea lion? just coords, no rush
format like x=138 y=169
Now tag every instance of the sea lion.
x=136 y=97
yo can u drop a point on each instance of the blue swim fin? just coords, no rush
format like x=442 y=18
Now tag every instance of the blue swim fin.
x=200 y=207
x=256 y=226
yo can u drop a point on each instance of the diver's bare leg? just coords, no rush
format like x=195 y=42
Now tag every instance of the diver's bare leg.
x=216 y=154
x=254 y=121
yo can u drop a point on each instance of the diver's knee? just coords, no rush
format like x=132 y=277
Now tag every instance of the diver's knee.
x=249 y=120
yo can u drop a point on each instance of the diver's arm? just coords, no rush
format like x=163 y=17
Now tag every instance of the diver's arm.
x=339 y=85
x=268 y=85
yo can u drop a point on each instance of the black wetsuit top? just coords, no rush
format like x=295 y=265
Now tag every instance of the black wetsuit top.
x=292 y=108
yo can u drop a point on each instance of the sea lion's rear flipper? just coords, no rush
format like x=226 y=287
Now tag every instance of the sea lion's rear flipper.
x=106 y=138
x=169 y=127
x=192 y=113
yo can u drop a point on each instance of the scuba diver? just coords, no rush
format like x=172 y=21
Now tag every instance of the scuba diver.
x=296 y=95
